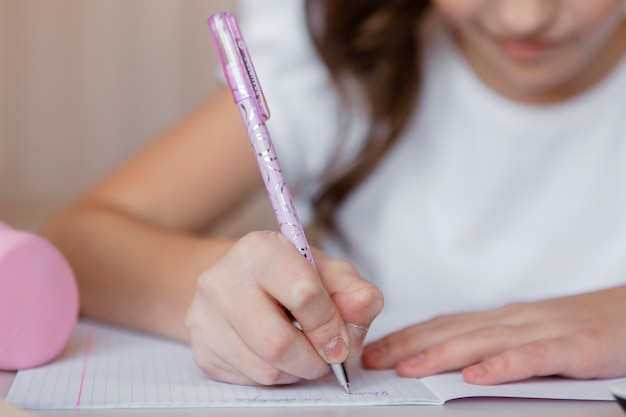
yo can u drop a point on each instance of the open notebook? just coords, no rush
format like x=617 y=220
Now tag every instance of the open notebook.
x=109 y=367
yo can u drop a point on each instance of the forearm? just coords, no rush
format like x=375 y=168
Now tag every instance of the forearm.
x=129 y=272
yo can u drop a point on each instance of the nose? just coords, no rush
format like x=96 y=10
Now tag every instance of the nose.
x=525 y=18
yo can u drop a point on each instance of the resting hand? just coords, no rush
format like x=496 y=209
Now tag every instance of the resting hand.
x=582 y=336
x=240 y=332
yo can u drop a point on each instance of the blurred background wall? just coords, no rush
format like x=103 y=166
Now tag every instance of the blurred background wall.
x=83 y=83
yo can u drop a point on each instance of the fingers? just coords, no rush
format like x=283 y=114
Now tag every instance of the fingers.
x=273 y=338
x=303 y=293
x=334 y=305
x=552 y=337
x=243 y=297
x=226 y=350
x=579 y=354
x=541 y=358
x=461 y=351
x=358 y=301
x=240 y=335
x=450 y=343
x=386 y=352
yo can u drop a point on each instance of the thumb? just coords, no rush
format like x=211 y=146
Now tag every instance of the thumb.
x=301 y=291
x=312 y=307
x=359 y=301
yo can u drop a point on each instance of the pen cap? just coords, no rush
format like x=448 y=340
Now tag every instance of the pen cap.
x=236 y=62
x=38 y=300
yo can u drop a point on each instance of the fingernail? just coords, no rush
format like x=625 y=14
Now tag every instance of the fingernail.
x=336 y=350
x=356 y=333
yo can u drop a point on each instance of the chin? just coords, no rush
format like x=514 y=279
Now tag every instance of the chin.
x=534 y=79
x=537 y=83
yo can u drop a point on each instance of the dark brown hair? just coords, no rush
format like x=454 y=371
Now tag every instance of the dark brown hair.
x=375 y=43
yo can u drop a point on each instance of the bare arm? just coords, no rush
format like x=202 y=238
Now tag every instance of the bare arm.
x=136 y=246
x=134 y=240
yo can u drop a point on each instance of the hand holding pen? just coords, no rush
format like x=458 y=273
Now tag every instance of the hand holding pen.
x=238 y=323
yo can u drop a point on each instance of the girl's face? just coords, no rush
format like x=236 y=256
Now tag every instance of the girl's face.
x=538 y=50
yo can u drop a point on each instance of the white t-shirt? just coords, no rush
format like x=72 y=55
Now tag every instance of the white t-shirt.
x=482 y=202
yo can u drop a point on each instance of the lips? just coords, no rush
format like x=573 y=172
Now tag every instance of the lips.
x=526 y=50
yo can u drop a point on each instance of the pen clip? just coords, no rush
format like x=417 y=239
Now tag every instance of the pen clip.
x=236 y=62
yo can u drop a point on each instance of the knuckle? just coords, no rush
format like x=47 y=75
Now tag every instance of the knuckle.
x=368 y=298
x=250 y=246
x=190 y=321
x=194 y=319
x=445 y=350
x=326 y=326
x=207 y=285
x=437 y=352
x=253 y=239
x=269 y=375
x=492 y=332
x=405 y=344
x=534 y=353
x=511 y=362
x=277 y=348
x=527 y=359
x=304 y=291
x=539 y=349
x=308 y=296
x=361 y=295
x=504 y=363
x=256 y=242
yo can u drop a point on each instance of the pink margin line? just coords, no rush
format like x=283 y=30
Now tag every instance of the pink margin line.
x=86 y=352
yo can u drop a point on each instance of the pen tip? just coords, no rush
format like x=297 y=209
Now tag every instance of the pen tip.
x=347 y=388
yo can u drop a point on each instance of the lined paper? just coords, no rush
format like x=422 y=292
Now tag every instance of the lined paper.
x=110 y=367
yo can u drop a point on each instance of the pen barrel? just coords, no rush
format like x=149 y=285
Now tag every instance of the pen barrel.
x=273 y=177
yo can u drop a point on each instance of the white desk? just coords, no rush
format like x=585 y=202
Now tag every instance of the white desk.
x=457 y=408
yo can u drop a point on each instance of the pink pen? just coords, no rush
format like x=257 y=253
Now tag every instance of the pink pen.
x=244 y=85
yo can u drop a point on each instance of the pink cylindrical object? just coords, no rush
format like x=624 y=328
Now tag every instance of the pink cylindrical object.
x=38 y=300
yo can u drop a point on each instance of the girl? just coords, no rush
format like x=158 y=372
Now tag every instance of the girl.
x=465 y=156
